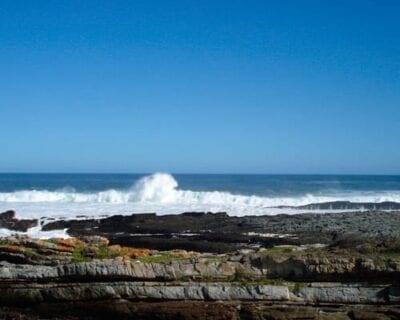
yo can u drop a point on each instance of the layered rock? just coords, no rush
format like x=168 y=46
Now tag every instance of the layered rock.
x=171 y=310
x=91 y=277
x=311 y=293
x=139 y=264
x=241 y=286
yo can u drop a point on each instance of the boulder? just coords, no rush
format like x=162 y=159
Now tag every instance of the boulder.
x=8 y=221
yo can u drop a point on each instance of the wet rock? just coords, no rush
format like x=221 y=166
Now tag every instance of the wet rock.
x=95 y=240
x=8 y=221
x=347 y=205
x=219 y=233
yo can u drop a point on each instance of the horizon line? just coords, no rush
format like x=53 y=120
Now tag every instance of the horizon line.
x=197 y=173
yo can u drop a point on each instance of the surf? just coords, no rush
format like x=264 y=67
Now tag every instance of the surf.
x=160 y=192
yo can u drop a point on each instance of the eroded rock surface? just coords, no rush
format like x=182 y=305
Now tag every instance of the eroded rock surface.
x=220 y=233
x=248 y=268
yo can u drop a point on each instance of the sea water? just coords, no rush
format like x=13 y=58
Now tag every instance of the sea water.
x=71 y=195
x=79 y=196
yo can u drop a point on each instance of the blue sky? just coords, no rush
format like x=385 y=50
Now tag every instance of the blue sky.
x=200 y=86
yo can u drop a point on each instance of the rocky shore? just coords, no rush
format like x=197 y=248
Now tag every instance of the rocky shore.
x=219 y=233
x=342 y=266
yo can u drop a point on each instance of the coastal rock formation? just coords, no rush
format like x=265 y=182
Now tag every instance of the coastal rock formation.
x=219 y=233
x=328 y=267
x=116 y=289
x=198 y=310
x=347 y=205
x=248 y=268
x=291 y=269
x=28 y=293
x=90 y=278
x=35 y=260
x=8 y=221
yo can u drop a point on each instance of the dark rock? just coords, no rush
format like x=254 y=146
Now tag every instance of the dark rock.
x=347 y=205
x=218 y=232
x=124 y=309
x=8 y=215
x=8 y=221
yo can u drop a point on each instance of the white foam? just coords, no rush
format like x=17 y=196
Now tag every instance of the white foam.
x=36 y=232
x=159 y=193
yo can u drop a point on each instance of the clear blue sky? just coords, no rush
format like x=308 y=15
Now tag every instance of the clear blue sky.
x=200 y=86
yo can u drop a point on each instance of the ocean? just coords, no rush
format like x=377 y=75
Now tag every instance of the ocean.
x=71 y=195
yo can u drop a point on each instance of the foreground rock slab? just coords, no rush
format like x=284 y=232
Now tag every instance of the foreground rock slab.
x=93 y=277
x=196 y=310
x=307 y=293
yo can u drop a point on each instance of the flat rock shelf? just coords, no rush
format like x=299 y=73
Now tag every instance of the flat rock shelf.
x=204 y=266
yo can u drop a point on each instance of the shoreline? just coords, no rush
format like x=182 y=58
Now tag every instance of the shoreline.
x=216 y=232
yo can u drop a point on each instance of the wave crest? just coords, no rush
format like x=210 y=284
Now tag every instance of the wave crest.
x=158 y=187
x=162 y=189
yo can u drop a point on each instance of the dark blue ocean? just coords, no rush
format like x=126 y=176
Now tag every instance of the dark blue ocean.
x=245 y=184
x=70 y=195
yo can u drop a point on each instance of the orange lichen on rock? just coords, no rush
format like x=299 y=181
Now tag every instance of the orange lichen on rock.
x=129 y=251
x=63 y=248
x=68 y=245
x=12 y=249
x=138 y=253
x=184 y=254
x=70 y=242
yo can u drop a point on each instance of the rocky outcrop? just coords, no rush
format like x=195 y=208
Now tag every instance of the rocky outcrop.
x=328 y=267
x=197 y=310
x=347 y=205
x=219 y=233
x=252 y=267
x=88 y=277
x=8 y=221
x=308 y=293
x=108 y=270
x=35 y=260
x=196 y=288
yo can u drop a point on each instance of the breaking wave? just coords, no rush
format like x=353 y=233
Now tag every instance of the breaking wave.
x=159 y=193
